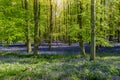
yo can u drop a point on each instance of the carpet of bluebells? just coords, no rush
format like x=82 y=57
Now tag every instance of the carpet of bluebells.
x=59 y=48
x=57 y=67
x=63 y=62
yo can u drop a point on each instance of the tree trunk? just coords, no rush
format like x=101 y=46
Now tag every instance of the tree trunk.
x=93 y=34
x=27 y=28
x=69 y=21
x=118 y=36
x=50 y=27
x=119 y=27
x=79 y=16
x=36 y=25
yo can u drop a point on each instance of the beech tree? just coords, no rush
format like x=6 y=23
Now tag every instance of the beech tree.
x=36 y=25
x=80 y=22
x=51 y=24
x=27 y=29
x=93 y=26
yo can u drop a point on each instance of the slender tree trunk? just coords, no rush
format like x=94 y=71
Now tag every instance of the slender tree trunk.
x=66 y=26
x=101 y=18
x=59 y=37
x=119 y=27
x=55 y=16
x=111 y=22
x=118 y=36
x=22 y=2
x=81 y=42
x=50 y=27
x=36 y=26
x=93 y=34
x=64 y=21
x=69 y=19
x=27 y=28
x=47 y=27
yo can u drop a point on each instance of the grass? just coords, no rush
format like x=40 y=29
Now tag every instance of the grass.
x=58 y=67
x=108 y=55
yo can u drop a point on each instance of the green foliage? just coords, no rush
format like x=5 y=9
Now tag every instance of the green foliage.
x=65 y=23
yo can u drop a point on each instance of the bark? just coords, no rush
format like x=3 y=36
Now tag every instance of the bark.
x=79 y=16
x=29 y=49
x=69 y=21
x=111 y=24
x=36 y=25
x=50 y=26
x=101 y=19
x=66 y=27
x=119 y=26
x=118 y=36
x=93 y=26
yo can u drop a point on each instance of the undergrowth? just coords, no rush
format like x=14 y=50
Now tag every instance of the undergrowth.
x=57 y=67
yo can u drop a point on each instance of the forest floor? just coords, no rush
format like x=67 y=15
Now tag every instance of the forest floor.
x=58 y=67
x=63 y=62
x=59 y=48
